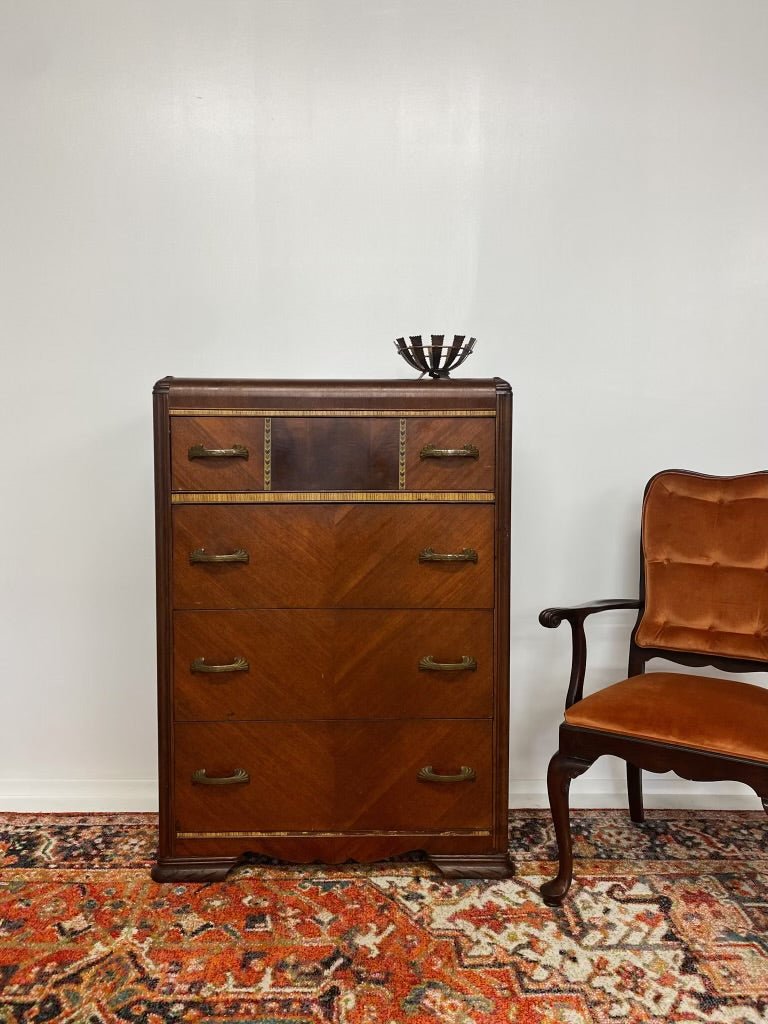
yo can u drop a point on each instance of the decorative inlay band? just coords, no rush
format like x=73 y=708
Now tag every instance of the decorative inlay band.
x=358 y=413
x=333 y=835
x=285 y=497
x=401 y=466
x=267 y=453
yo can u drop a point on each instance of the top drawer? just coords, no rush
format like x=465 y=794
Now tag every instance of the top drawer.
x=287 y=453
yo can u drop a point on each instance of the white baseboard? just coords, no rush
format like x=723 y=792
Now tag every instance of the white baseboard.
x=141 y=794
x=657 y=793
x=78 y=795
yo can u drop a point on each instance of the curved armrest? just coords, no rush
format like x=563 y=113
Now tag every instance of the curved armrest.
x=552 y=617
x=575 y=615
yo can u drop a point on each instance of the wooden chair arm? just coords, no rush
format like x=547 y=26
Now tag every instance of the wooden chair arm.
x=575 y=615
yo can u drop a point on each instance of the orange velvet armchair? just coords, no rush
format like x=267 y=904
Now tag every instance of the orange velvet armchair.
x=703 y=601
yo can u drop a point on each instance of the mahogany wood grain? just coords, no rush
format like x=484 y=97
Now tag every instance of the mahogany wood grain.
x=427 y=395
x=322 y=453
x=464 y=854
x=496 y=865
x=316 y=556
x=163 y=550
x=501 y=595
x=217 y=473
x=333 y=776
x=326 y=663
x=450 y=473
x=330 y=610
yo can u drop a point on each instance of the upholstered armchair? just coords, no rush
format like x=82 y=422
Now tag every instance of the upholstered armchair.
x=703 y=602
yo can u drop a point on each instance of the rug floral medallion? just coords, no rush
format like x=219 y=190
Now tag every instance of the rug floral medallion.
x=666 y=922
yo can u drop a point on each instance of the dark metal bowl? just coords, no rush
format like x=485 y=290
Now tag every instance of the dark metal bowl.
x=438 y=357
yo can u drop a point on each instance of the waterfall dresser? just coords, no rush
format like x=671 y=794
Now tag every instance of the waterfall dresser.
x=333 y=622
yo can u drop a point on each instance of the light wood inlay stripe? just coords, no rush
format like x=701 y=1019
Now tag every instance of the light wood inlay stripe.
x=333 y=835
x=401 y=456
x=268 y=453
x=286 y=497
x=364 y=413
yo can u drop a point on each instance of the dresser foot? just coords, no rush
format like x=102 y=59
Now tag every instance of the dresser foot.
x=194 y=869
x=480 y=865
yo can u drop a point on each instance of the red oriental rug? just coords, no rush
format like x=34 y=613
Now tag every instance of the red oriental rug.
x=667 y=921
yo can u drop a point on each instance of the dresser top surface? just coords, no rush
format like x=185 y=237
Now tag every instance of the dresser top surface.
x=212 y=393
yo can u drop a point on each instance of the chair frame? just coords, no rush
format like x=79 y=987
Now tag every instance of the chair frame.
x=579 y=747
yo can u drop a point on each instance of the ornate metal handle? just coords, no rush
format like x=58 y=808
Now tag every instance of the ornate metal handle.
x=200 y=555
x=469 y=451
x=199 y=451
x=428 y=774
x=238 y=665
x=465 y=555
x=466 y=664
x=199 y=778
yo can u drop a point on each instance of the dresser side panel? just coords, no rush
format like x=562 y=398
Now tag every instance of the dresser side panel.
x=502 y=609
x=163 y=543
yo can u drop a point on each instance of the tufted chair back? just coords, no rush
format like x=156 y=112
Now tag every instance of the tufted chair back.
x=705 y=560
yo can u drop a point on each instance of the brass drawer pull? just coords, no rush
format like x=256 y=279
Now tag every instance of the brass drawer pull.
x=200 y=665
x=469 y=451
x=465 y=555
x=429 y=664
x=199 y=778
x=199 y=555
x=428 y=774
x=199 y=451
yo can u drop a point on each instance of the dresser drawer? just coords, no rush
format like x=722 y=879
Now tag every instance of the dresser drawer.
x=326 y=453
x=198 y=459
x=332 y=776
x=302 y=664
x=451 y=454
x=314 y=556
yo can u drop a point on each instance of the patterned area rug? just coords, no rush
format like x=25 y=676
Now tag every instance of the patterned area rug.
x=667 y=921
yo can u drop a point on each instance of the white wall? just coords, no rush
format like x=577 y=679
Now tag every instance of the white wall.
x=278 y=188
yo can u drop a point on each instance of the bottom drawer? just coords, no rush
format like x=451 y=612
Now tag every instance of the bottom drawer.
x=332 y=777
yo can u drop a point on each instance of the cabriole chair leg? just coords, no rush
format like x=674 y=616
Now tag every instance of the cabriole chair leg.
x=562 y=768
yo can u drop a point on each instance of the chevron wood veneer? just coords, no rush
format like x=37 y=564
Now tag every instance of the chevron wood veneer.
x=332 y=579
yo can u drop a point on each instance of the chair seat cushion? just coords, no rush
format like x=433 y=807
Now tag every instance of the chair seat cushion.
x=722 y=716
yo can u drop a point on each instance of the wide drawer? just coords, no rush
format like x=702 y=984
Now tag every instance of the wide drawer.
x=304 y=664
x=315 y=556
x=332 y=777
x=328 y=453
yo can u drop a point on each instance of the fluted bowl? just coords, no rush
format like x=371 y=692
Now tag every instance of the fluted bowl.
x=436 y=357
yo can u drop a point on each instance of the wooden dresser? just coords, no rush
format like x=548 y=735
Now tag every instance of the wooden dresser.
x=333 y=622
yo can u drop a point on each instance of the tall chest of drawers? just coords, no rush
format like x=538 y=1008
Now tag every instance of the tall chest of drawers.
x=333 y=622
